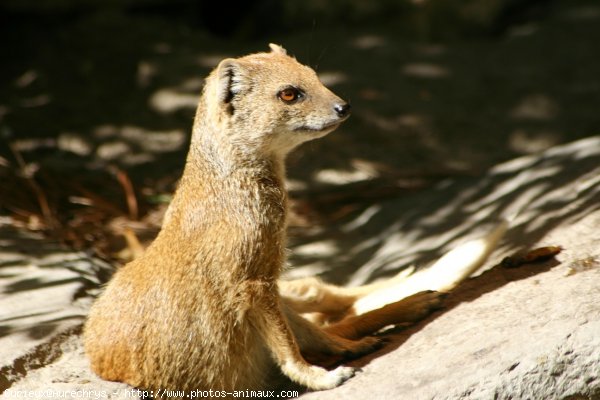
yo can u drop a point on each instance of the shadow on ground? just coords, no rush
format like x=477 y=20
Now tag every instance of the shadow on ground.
x=560 y=186
x=103 y=93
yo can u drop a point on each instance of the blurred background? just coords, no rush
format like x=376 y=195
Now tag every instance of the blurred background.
x=97 y=99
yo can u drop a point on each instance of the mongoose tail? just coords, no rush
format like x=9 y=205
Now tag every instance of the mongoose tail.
x=444 y=275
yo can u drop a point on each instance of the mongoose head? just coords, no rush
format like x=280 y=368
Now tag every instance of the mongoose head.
x=270 y=103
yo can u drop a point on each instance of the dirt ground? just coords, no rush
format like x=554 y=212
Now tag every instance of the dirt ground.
x=106 y=100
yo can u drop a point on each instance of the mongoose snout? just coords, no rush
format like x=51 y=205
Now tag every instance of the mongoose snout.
x=342 y=109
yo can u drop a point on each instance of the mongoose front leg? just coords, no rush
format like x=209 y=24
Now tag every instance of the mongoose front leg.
x=325 y=348
x=282 y=344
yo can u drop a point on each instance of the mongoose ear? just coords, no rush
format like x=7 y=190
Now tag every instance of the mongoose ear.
x=275 y=48
x=228 y=79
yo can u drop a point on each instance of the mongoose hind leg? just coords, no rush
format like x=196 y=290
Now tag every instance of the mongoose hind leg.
x=326 y=349
x=409 y=309
x=352 y=331
x=350 y=338
x=311 y=295
x=324 y=303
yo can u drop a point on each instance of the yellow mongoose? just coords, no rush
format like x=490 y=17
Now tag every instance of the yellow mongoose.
x=203 y=308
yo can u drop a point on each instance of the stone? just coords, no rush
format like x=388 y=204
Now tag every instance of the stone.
x=507 y=333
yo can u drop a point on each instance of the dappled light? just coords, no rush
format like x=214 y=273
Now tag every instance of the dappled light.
x=73 y=276
x=360 y=170
x=535 y=193
x=422 y=111
x=332 y=78
x=168 y=100
x=425 y=71
x=367 y=42
x=463 y=113
x=536 y=107
x=584 y=12
x=530 y=142
x=212 y=60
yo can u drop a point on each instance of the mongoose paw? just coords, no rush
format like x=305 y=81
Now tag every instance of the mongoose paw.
x=343 y=350
x=431 y=299
x=423 y=303
x=336 y=377
x=363 y=346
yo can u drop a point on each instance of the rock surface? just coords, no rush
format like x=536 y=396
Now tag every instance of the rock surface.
x=45 y=292
x=526 y=333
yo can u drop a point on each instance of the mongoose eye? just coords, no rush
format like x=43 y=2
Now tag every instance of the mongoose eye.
x=289 y=95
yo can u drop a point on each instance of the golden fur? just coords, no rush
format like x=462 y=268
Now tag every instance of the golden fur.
x=202 y=308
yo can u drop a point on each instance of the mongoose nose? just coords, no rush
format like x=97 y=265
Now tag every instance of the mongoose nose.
x=342 y=110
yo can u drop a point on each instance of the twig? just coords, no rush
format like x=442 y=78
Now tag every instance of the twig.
x=132 y=204
x=135 y=247
x=41 y=197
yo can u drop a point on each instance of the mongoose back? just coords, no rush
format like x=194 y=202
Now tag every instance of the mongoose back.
x=202 y=308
